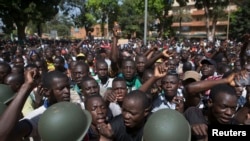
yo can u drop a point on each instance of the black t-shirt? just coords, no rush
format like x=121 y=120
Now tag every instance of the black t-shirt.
x=122 y=133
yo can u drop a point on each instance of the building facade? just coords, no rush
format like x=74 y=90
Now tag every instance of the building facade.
x=80 y=33
x=193 y=23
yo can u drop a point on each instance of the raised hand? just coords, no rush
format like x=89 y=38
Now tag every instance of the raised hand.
x=160 y=70
x=31 y=76
x=105 y=130
x=179 y=101
x=199 y=130
x=230 y=79
x=166 y=53
x=116 y=30
x=111 y=97
x=39 y=95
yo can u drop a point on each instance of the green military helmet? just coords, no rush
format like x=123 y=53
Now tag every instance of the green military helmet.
x=6 y=94
x=167 y=125
x=64 y=121
x=2 y=108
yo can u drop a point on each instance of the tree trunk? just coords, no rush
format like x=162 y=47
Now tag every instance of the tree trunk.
x=161 y=27
x=39 y=30
x=103 y=24
x=214 y=27
x=161 y=31
x=21 y=33
x=89 y=30
x=207 y=22
x=180 y=20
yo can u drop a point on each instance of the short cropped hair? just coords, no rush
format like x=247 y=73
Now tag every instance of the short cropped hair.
x=48 y=78
x=221 y=88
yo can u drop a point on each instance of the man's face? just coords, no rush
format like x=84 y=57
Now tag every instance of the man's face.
x=170 y=85
x=207 y=70
x=224 y=107
x=102 y=70
x=90 y=87
x=18 y=52
x=58 y=63
x=237 y=66
x=171 y=64
x=140 y=63
x=239 y=91
x=58 y=53
x=78 y=73
x=41 y=67
x=98 y=110
x=48 y=53
x=184 y=55
x=154 y=89
x=34 y=57
x=9 y=80
x=60 y=90
x=128 y=70
x=90 y=58
x=19 y=62
x=133 y=112
x=120 y=89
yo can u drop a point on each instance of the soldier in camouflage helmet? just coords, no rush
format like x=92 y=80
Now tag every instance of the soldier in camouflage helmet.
x=167 y=125
x=6 y=94
x=64 y=121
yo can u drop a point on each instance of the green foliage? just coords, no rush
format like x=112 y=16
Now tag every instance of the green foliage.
x=182 y=2
x=214 y=9
x=131 y=17
x=240 y=23
x=22 y=12
x=61 y=24
x=90 y=12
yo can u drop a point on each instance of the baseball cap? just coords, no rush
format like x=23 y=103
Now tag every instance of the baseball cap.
x=80 y=55
x=208 y=61
x=191 y=74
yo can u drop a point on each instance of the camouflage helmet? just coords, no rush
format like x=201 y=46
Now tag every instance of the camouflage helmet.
x=167 y=125
x=6 y=94
x=64 y=121
x=2 y=108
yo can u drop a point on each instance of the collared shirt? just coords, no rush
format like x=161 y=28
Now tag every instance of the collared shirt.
x=115 y=108
x=104 y=87
x=135 y=84
x=76 y=96
x=162 y=103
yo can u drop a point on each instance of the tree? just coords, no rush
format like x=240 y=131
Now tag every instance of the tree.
x=18 y=13
x=159 y=10
x=240 y=23
x=61 y=24
x=131 y=19
x=213 y=10
x=79 y=13
x=180 y=15
x=104 y=11
x=89 y=12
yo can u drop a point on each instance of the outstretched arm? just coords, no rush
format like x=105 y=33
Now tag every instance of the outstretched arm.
x=159 y=72
x=11 y=115
x=114 y=55
x=200 y=86
x=151 y=61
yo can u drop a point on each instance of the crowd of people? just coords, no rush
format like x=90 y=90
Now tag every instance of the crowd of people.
x=121 y=86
